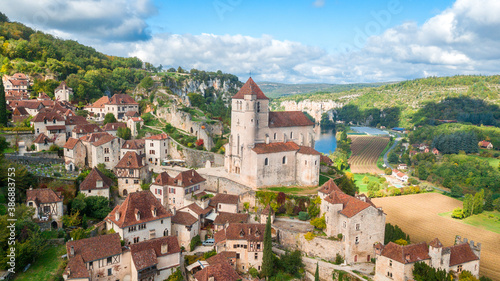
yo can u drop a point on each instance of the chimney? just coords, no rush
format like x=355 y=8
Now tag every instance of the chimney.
x=164 y=248
x=72 y=251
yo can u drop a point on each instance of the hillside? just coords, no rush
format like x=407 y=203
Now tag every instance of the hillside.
x=473 y=99
x=275 y=90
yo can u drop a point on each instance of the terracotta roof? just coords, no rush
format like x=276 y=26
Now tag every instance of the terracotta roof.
x=76 y=268
x=18 y=82
x=121 y=99
x=145 y=253
x=288 y=119
x=436 y=243
x=221 y=257
x=250 y=88
x=275 y=147
x=484 y=143
x=163 y=179
x=326 y=159
x=308 y=150
x=131 y=113
x=49 y=116
x=131 y=160
x=219 y=272
x=133 y=144
x=114 y=126
x=197 y=209
x=350 y=205
x=187 y=178
x=70 y=144
x=461 y=253
x=86 y=128
x=62 y=86
x=31 y=104
x=104 y=139
x=96 y=248
x=100 y=102
x=43 y=195
x=89 y=183
x=224 y=199
x=20 y=111
x=44 y=96
x=406 y=254
x=93 y=137
x=20 y=76
x=328 y=187
x=241 y=231
x=266 y=210
x=223 y=218
x=42 y=138
x=75 y=120
x=143 y=202
x=137 y=119
x=184 y=218
x=161 y=136
x=56 y=127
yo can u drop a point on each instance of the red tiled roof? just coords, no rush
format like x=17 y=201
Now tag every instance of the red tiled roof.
x=328 y=187
x=89 y=183
x=137 y=119
x=133 y=144
x=223 y=218
x=56 y=127
x=100 y=102
x=143 y=202
x=267 y=209
x=121 y=99
x=221 y=257
x=436 y=243
x=42 y=138
x=131 y=113
x=219 y=272
x=275 y=147
x=484 y=143
x=224 y=199
x=20 y=111
x=350 y=205
x=308 y=150
x=461 y=253
x=49 y=116
x=197 y=209
x=93 y=137
x=250 y=88
x=406 y=254
x=188 y=178
x=161 y=136
x=43 y=195
x=114 y=126
x=96 y=248
x=144 y=259
x=326 y=159
x=162 y=179
x=62 y=86
x=104 y=139
x=241 y=231
x=288 y=119
x=86 y=128
x=31 y=104
x=184 y=218
x=76 y=268
x=131 y=160
x=75 y=120
x=70 y=144
x=156 y=245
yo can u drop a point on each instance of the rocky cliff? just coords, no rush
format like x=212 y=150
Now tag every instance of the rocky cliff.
x=216 y=86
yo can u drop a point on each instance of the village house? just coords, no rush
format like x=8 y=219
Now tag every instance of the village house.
x=220 y=267
x=435 y=151
x=246 y=240
x=395 y=262
x=33 y=107
x=71 y=121
x=42 y=142
x=81 y=130
x=17 y=82
x=97 y=110
x=156 y=149
x=16 y=95
x=135 y=124
x=131 y=172
x=43 y=96
x=105 y=150
x=118 y=104
x=224 y=218
x=136 y=146
x=225 y=203
x=19 y=114
x=75 y=154
x=112 y=128
x=177 y=192
x=155 y=259
x=402 y=167
x=185 y=226
x=400 y=175
x=265 y=214
x=140 y=217
x=200 y=210
x=52 y=125
x=264 y=144
x=63 y=92
x=96 y=184
x=357 y=219
x=485 y=144
x=48 y=205
x=97 y=258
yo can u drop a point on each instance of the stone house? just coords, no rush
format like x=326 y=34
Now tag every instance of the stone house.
x=118 y=104
x=156 y=149
x=97 y=258
x=185 y=226
x=247 y=240
x=136 y=146
x=63 y=92
x=263 y=143
x=96 y=184
x=200 y=210
x=131 y=172
x=72 y=121
x=33 y=107
x=177 y=192
x=48 y=205
x=225 y=203
x=112 y=128
x=75 y=154
x=395 y=262
x=52 y=125
x=357 y=219
x=265 y=214
x=223 y=219
x=139 y=218
x=17 y=82
x=155 y=259
x=220 y=267
x=485 y=144
x=400 y=175
x=19 y=114
x=81 y=130
x=42 y=142
x=133 y=123
x=97 y=110
x=105 y=150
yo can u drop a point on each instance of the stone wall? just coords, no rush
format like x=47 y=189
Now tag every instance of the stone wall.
x=28 y=138
x=194 y=158
x=25 y=160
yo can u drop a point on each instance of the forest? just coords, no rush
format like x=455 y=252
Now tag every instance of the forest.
x=427 y=134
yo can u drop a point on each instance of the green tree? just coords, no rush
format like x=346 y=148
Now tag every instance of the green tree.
x=97 y=207
x=124 y=133
x=319 y=223
x=366 y=180
x=393 y=158
x=478 y=202
x=468 y=205
x=78 y=204
x=424 y=272
x=3 y=106
x=147 y=83
x=316 y=274
x=268 y=258
x=457 y=213
x=388 y=171
x=109 y=118
x=488 y=201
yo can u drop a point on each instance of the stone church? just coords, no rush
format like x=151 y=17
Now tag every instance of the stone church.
x=270 y=148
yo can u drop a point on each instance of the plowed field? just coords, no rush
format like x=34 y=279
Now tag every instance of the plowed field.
x=365 y=153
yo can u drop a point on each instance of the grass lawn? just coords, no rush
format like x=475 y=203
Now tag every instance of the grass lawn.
x=45 y=268
x=358 y=180
x=297 y=190
x=492 y=161
x=486 y=220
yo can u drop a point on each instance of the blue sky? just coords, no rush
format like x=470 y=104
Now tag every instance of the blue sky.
x=317 y=41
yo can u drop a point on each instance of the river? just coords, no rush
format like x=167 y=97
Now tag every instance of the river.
x=325 y=141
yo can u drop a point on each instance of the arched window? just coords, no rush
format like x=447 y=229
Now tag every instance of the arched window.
x=275 y=135
x=266 y=162
x=284 y=159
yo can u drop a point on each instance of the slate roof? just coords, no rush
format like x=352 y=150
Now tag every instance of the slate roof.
x=89 y=183
x=351 y=206
x=219 y=272
x=143 y=202
x=43 y=195
x=224 y=199
x=406 y=254
x=96 y=248
x=184 y=218
x=250 y=88
x=461 y=253
x=131 y=160
x=288 y=119
x=223 y=218
x=70 y=143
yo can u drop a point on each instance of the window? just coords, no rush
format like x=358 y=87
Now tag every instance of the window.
x=159 y=193
x=389 y=274
x=136 y=181
x=459 y=268
x=258 y=106
x=106 y=150
x=151 y=145
x=258 y=246
x=266 y=162
x=106 y=159
x=110 y=271
x=126 y=181
x=344 y=224
x=284 y=159
x=274 y=135
x=256 y=255
x=306 y=162
x=291 y=135
x=237 y=255
x=390 y=263
x=109 y=260
x=357 y=239
x=151 y=152
x=37 y=130
x=357 y=226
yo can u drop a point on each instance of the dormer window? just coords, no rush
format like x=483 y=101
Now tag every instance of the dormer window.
x=98 y=183
x=153 y=210
x=54 y=121
x=242 y=233
x=138 y=215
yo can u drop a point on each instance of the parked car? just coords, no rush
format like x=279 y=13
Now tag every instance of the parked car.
x=208 y=242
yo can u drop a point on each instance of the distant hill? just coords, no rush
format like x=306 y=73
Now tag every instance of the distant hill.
x=275 y=90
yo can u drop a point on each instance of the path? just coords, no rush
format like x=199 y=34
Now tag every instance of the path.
x=389 y=150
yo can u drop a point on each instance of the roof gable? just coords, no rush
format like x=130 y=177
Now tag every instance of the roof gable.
x=90 y=182
x=288 y=119
x=250 y=88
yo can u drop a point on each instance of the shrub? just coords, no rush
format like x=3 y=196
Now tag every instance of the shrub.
x=253 y=272
x=338 y=259
x=303 y=216
x=458 y=213
x=401 y=242
x=309 y=236
x=195 y=242
x=388 y=171
x=319 y=223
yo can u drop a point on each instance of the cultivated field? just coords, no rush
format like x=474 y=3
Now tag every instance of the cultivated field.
x=365 y=153
x=418 y=216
